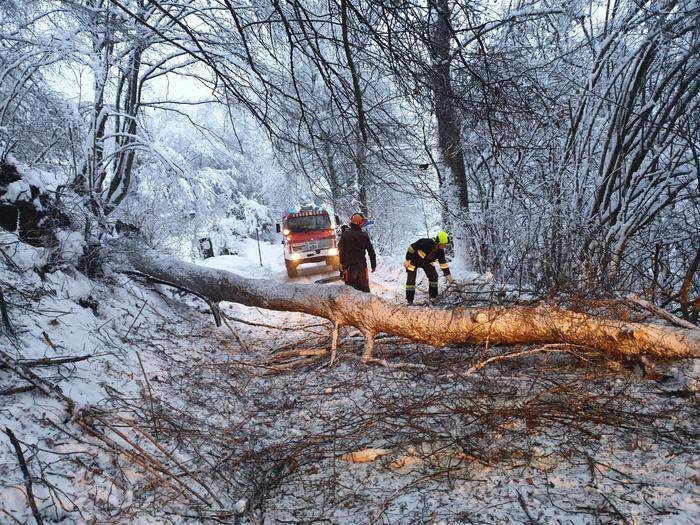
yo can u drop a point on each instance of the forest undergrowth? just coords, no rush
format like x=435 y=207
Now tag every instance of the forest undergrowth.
x=173 y=418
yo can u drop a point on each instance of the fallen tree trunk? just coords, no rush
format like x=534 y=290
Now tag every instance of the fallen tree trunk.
x=496 y=325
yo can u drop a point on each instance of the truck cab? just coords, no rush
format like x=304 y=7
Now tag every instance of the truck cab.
x=309 y=237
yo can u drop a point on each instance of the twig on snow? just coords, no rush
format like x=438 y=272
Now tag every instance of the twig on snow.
x=150 y=392
x=27 y=476
x=55 y=361
x=387 y=364
x=530 y=519
x=224 y=318
x=43 y=385
x=17 y=390
x=10 y=262
x=213 y=307
x=543 y=349
x=15 y=520
x=135 y=319
x=275 y=327
x=335 y=335
x=5 y=316
x=49 y=341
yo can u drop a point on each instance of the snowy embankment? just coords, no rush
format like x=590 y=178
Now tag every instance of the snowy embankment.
x=99 y=342
x=250 y=424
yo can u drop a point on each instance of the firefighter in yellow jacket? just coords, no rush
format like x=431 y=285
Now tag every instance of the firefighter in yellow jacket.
x=422 y=254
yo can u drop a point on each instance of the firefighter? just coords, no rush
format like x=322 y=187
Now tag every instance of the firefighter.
x=352 y=247
x=422 y=254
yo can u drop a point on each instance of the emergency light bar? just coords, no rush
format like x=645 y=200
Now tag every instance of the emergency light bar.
x=306 y=208
x=305 y=213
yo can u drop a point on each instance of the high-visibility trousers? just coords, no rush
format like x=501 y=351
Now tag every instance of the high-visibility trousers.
x=432 y=276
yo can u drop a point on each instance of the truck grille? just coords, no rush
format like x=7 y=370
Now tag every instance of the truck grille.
x=311 y=246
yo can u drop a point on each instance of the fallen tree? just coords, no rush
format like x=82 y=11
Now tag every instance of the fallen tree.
x=497 y=325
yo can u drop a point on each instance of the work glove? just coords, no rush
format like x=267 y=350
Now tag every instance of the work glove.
x=406 y=264
x=449 y=279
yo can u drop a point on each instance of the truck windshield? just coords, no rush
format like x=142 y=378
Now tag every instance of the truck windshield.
x=308 y=223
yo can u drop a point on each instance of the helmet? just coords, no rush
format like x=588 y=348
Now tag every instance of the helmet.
x=442 y=237
x=357 y=219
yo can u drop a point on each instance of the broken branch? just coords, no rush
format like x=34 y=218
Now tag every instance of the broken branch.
x=26 y=474
x=499 y=325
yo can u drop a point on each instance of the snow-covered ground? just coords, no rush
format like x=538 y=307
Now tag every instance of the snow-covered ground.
x=177 y=420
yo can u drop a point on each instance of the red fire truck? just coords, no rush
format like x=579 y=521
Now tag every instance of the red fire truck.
x=309 y=236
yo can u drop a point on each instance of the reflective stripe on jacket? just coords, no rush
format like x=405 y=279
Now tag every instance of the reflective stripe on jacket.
x=424 y=252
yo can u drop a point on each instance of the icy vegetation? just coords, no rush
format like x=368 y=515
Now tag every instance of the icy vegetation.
x=175 y=419
x=150 y=149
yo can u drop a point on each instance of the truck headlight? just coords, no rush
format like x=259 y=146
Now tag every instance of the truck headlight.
x=296 y=256
x=286 y=231
x=333 y=251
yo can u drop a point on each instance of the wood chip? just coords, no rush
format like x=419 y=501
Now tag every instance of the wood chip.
x=366 y=455
x=405 y=461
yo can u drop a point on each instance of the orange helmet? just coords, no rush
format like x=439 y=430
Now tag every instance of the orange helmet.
x=357 y=219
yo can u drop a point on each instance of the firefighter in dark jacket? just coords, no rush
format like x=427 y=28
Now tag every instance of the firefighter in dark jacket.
x=352 y=247
x=422 y=254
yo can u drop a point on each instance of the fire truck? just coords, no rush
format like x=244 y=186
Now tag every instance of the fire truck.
x=309 y=237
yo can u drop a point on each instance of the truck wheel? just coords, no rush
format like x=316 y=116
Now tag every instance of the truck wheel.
x=291 y=269
x=333 y=262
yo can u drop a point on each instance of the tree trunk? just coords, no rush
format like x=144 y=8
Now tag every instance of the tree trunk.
x=372 y=315
x=331 y=173
x=126 y=133
x=449 y=131
x=363 y=139
x=91 y=173
x=684 y=295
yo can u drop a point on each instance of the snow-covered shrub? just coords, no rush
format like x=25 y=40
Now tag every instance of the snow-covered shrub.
x=194 y=184
x=28 y=205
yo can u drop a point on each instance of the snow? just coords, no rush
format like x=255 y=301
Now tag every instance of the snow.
x=281 y=436
x=177 y=420
x=45 y=181
x=247 y=261
x=24 y=256
x=241 y=505
x=16 y=191
x=71 y=244
x=20 y=190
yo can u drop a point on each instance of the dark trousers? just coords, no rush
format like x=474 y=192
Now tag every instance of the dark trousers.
x=432 y=276
x=357 y=276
